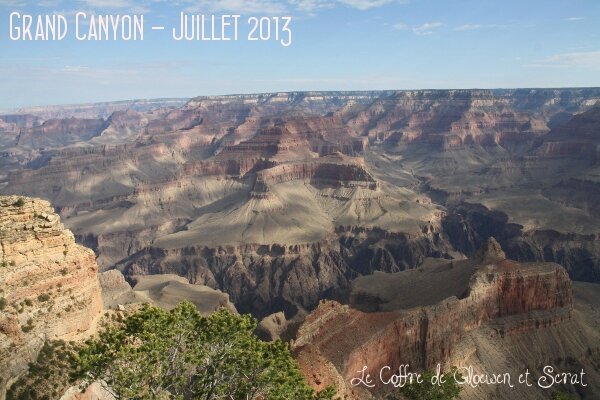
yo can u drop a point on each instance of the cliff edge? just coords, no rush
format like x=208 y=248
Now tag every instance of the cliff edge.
x=49 y=287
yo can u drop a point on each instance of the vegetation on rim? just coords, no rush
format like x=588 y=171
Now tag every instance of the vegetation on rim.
x=176 y=354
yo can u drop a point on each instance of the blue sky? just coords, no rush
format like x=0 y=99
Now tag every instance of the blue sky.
x=337 y=45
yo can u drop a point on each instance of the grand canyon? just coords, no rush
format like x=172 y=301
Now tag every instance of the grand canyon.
x=374 y=228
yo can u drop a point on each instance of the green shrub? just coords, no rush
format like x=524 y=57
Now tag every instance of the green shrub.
x=180 y=354
x=560 y=395
x=43 y=297
x=28 y=327
x=177 y=354
x=19 y=203
x=2 y=303
x=46 y=377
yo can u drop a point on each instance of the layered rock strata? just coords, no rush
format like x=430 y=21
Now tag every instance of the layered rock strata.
x=48 y=284
x=506 y=297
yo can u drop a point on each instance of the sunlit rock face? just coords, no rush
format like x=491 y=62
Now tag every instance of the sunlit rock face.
x=482 y=312
x=49 y=284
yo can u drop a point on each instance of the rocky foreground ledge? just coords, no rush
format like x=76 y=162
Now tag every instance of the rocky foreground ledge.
x=48 y=284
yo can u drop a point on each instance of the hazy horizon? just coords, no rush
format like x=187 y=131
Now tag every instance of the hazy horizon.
x=337 y=45
x=188 y=98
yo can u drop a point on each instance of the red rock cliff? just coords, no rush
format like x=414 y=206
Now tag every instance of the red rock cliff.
x=508 y=296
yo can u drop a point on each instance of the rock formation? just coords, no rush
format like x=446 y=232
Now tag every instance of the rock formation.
x=48 y=284
x=444 y=313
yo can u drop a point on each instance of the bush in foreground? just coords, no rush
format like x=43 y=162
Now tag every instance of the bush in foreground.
x=47 y=376
x=178 y=354
x=19 y=203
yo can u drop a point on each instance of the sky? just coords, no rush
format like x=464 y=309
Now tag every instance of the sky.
x=336 y=45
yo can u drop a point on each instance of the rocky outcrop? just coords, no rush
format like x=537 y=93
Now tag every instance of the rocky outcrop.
x=100 y=110
x=166 y=291
x=48 y=284
x=569 y=151
x=274 y=103
x=259 y=279
x=579 y=254
x=272 y=326
x=181 y=119
x=116 y=291
x=504 y=296
x=350 y=178
x=16 y=122
x=283 y=199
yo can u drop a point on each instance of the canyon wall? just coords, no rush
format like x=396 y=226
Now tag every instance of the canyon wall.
x=49 y=287
x=262 y=279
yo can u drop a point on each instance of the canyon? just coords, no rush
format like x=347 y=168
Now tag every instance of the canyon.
x=280 y=201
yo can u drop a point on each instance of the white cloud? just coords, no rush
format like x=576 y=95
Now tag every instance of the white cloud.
x=310 y=6
x=427 y=28
x=108 y=3
x=12 y=3
x=281 y=7
x=586 y=59
x=472 y=27
x=240 y=6
x=128 y=5
x=49 y=3
x=74 y=68
x=576 y=18
x=364 y=4
x=401 y=26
